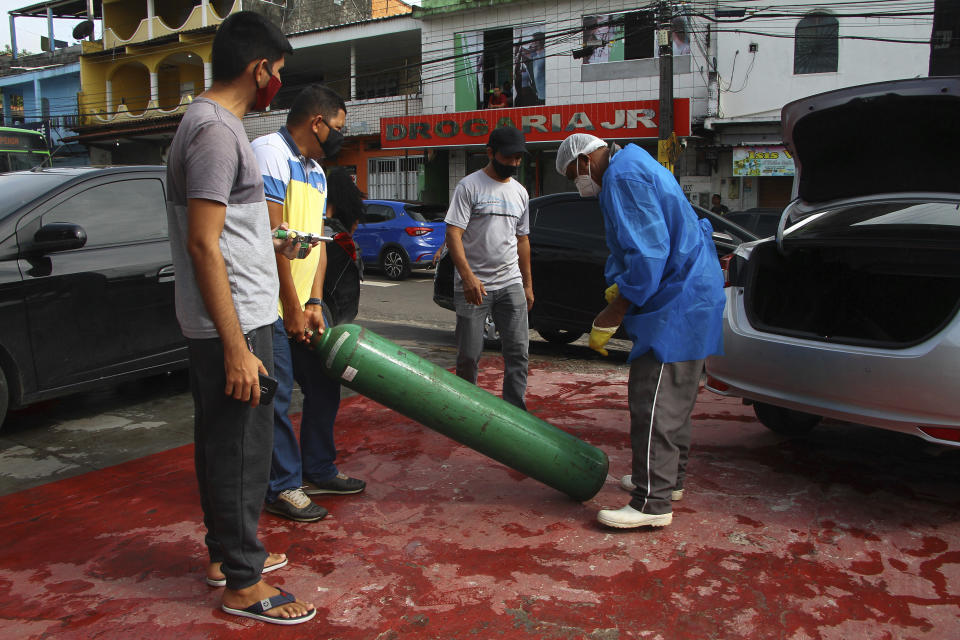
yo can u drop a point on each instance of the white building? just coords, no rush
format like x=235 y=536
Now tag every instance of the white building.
x=612 y=91
x=781 y=54
x=732 y=75
x=419 y=84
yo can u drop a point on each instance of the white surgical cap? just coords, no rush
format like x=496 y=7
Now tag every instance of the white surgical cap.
x=576 y=145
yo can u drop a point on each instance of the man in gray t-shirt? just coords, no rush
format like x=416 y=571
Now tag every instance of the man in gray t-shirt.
x=226 y=300
x=488 y=224
x=211 y=159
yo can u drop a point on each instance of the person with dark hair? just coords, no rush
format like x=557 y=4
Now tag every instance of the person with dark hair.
x=344 y=203
x=488 y=228
x=246 y=37
x=296 y=191
x=508 y=92
x=717 y=206
x=497 y=99
x=226 y=297
x=314 y=100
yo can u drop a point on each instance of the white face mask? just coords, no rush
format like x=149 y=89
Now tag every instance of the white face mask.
x=585 y=185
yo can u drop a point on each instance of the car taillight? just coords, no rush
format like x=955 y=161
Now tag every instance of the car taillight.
x=418 y=231
x=725 y=267
x=942 y=433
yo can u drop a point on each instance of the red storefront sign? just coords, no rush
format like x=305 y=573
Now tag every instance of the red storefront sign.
x=609 y=120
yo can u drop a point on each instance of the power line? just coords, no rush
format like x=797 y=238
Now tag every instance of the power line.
x=566 y=35
x=578 y=27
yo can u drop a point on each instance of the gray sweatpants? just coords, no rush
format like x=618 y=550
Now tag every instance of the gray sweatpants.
x=233 y=446
x=508 y=307
x=661 y=398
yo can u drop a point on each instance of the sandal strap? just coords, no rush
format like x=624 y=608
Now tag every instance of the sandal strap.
x=266 y=604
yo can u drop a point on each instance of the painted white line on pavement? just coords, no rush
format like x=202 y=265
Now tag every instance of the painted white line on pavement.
x=379 y=284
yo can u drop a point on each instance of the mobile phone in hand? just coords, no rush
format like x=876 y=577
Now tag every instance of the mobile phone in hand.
x=268 y=386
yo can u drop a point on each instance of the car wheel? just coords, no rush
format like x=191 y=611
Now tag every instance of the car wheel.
x=4 y=397
x=395 y=264
x=785 y=421
x=559 y=336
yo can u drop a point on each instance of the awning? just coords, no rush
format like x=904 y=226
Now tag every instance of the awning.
x=140 y=129
x=76 y=9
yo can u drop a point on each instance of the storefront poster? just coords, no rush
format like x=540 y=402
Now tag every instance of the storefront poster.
x=762 y=161
x=679 y=35
x=733 y=190
x=609 y=120
x=605 y=34
x=468 y=66
x=529 y=66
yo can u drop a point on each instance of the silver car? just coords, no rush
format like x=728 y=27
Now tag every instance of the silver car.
x=851 y=310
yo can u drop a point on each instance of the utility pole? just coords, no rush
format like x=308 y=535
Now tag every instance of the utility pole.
x=406 y=152
x=666 y=142
x=713 y=78
x=13 y=37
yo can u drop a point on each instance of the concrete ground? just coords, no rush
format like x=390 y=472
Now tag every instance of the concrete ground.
x=851 y=533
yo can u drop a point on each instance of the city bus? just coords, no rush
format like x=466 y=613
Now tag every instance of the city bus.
x=21 y=149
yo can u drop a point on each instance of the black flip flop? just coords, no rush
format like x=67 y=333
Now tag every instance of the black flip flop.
x=258 y=610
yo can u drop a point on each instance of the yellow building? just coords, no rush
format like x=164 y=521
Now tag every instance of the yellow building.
x=155 y=57
x=136 y=82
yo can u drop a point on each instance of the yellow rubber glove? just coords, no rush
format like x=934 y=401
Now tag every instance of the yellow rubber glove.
x=600 y=336
x=611 y=293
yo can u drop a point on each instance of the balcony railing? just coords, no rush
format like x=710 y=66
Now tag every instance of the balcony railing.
x=363 y=116
x=150 y=28
x=122 y=114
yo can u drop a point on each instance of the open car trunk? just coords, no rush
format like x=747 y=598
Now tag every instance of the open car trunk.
x=881 y=296
x=847 y=143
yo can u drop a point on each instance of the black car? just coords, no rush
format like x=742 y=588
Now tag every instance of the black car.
x=760 y=221
x=86 y=281
x=568 y=256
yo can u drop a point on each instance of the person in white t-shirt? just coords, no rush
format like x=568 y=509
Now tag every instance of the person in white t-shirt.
x=488 y=224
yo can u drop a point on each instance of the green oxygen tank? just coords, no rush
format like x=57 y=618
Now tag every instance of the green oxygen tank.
x=403 y=381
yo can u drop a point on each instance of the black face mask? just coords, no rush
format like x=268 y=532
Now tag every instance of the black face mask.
x=333 y=142
x=503 y=170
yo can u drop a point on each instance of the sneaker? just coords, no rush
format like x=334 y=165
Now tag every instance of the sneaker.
x=626 y=483
x=628 y=518
x=294 y=504
x=340 y=484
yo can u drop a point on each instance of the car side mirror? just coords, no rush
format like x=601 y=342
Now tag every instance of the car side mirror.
x=58 y=236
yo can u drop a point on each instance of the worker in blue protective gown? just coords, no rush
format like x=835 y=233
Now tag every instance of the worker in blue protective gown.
x=666 y=289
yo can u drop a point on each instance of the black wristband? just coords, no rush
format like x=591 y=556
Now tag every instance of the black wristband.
x=316 y=301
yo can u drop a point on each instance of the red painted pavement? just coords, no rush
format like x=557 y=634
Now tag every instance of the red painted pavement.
x=850 y=534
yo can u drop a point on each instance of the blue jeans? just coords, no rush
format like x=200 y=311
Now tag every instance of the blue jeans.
x=508 y=307
x=312 y=457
